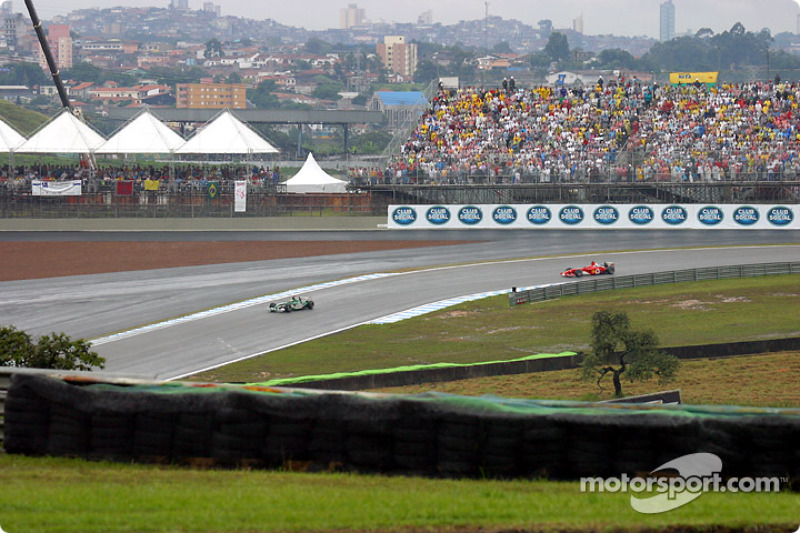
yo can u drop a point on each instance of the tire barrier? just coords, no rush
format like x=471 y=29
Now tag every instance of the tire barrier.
x=427 y=434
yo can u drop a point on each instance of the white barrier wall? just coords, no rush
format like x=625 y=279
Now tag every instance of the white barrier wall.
x=595 y=216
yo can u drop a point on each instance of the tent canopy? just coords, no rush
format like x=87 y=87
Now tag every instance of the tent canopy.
x=143 y=134
x=225 y=134
x=9 y=138
x=311 y=178
x=63 y=134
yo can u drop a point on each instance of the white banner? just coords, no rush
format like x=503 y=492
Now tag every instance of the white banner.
x=240 y=197
x=56 y=188
x=595 y=216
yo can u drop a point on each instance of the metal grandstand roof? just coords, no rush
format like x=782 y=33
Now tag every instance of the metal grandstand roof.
x=404 y=98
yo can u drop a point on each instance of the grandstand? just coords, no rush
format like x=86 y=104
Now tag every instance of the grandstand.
x=644 y=142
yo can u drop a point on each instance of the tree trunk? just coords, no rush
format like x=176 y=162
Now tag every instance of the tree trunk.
x=617 y=373
x=617 y=384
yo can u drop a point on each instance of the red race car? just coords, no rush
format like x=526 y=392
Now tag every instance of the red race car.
x=592 y=269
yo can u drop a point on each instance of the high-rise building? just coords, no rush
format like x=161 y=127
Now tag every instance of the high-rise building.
x=667 y=21
x=13 y=29
x=352 y=16
x=212 y=8
x=397 y=55
x=60 y=42
x=179 y=4
x=577 y=24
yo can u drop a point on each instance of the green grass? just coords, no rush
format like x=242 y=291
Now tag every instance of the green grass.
x=23 y=120
x=489 y=330
x=62 y=495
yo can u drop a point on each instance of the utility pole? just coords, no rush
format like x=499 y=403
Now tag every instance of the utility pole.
x=485 y=35
x=486 y=27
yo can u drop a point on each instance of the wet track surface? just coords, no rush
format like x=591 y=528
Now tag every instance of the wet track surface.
x=96 y=306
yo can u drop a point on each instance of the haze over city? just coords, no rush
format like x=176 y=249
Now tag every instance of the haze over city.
x=618 y=17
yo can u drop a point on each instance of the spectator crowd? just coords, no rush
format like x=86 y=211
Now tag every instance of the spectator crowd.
x=177 y=178
x=617 y=131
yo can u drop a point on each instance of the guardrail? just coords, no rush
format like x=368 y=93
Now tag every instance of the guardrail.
x=606 y=283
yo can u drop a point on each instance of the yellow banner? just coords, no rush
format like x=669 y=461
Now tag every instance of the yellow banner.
x=682 y=78
x=151 y=185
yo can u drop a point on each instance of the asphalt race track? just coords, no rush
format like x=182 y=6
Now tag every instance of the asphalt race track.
x=133 y=316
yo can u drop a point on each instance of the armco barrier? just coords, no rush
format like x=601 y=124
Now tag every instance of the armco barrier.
x=435 y=373
x=604 y=282
x=429 y=434
x=399 y=378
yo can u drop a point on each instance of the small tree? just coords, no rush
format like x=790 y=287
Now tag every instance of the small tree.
x=557 y=46
x=617 y=349
x=56 y=351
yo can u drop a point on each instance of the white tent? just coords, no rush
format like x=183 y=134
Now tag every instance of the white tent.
x=311 y=178
x=63 y=134
x=225 y=134
x=9 y=138
x=143 y=134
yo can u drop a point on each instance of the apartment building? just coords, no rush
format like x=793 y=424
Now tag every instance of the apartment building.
x=211 y=96
x=60 y=42
x=398 y=56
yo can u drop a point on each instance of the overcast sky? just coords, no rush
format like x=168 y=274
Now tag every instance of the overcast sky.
x=619 y=17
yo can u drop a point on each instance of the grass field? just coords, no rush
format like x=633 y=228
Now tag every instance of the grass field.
x=64 y=495
x=61 y=495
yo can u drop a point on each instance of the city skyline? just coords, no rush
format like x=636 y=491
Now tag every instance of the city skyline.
x=600 y=17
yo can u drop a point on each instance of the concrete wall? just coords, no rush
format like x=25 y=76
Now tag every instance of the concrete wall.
x=310 y=223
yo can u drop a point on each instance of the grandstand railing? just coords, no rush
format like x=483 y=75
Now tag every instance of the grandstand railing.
x=16 y=201
x=605 y=283
x=371 y=197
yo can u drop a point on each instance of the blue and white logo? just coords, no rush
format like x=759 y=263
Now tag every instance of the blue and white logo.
x=606 y=215
x=404 y=216
x=674 y=215
x=571 y=215
x=641 y=215
x=470 y=215
x=746 y=215
x=710 y=215
x=505 y=215
x=539 y=215
x=438 y=215
x=780 y=216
